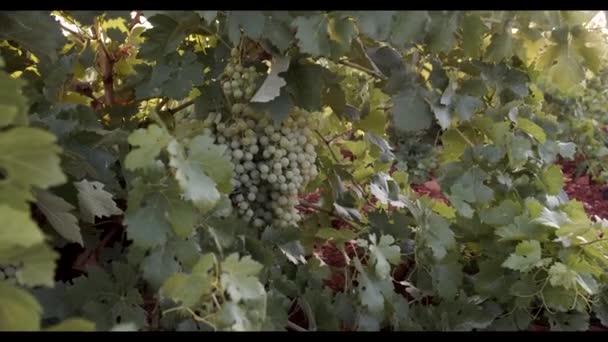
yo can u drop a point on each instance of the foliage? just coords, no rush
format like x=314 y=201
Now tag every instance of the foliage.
x=139 y=138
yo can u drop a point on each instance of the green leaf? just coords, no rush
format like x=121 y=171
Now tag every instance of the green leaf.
x=526 y=256
x=150 y=142
x=239 y=278
x=465 y=106
x=553 y=179
x=470 y=187
x=304 y=83
x=531 y=128
x=447 y=278
x=19 y=310
x=202 y=170
x=147 y=225
x=409 y=27
x=73 y=324
x=375 y=24
x=371 y=289
x=252 y=23
x=312 y=35
x=561 y=275
x=13 y=104
x=35 y=31
x=94 y=201
x=441 y=37
x=271 y=88
x=384 y=253
x=29 y=156
x=472 y=34
x=188 y=289
x=278 y=34
x=571 y=321
x=18 y=229
x=566 y=72
x=38 y=265
x=438 y=236
x=410 y=113
x=500 y=48
x=59 y=214
x=341 y=33
x=519 y=150
x=503 y=214
x=168 y=31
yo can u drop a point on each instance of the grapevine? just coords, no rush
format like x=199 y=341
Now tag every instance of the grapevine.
x=303 y=171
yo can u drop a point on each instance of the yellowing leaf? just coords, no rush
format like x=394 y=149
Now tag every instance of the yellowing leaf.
x=531 y=128
x=19 y=310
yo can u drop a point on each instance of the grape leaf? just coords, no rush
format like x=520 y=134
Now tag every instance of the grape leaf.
x=553 y=180
x=527 y=255
x=58 y=212
x=441 y=36
x=409 y=27
x=384 y=252
x=447 y=278
x=500 y=47
x=439 y=236
x=19 y=310
x=472 y=34
x=375 y=24
x=150 y=142
x=278 y=34
x=188 y=289
x=18 y=229
x=29 y=156
x=304 y=83
x=167 y=33
x=312 y=35
x=239 y=278
x=575 y=321
x=12 y=103
x=561 y=275
x=252 y=23
x=94 y=201
x=36 y=31
x=531 y=128
x=410 y=112
x=202 y=169
x=147 y=225
x=271 y=88
x=470 y=187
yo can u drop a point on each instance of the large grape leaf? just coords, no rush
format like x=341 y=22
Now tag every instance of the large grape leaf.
x=526 y=256
x=150 y=142
x=252 y=23
x=19 y=310
x=59 y=214
x=36 y=31
x=410 y=112
x=29 y=156
x=94 y=201
x=147 y=224
x=312 y=34
x=409 y=27
x=12 y=103
x=167 y=33
x=304 y=83
x=17 y=230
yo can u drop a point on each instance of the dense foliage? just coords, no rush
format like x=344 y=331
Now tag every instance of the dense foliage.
x=228 y=170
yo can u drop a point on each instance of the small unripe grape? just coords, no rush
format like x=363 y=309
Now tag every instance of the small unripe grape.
x=237 y=154
x=238 y=94
x=236 y=75
x=272 y=178
x=238 y=68
x=249 y=156
x=251 y=197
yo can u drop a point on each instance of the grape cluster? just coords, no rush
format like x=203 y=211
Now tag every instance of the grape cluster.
x=237 y=81
x=273 y=162
x=8 y=273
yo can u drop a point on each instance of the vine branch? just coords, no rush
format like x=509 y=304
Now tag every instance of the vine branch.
x=364 y=69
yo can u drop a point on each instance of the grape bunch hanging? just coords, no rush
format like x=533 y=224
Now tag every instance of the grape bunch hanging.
x=273 y=161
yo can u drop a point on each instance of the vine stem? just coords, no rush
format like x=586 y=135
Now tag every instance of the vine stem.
x=592 y=242
x=181 y=107
x=464 y=137
x=296 y=327
x=362 y=68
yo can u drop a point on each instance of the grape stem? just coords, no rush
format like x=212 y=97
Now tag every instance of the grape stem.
x=295 y=327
